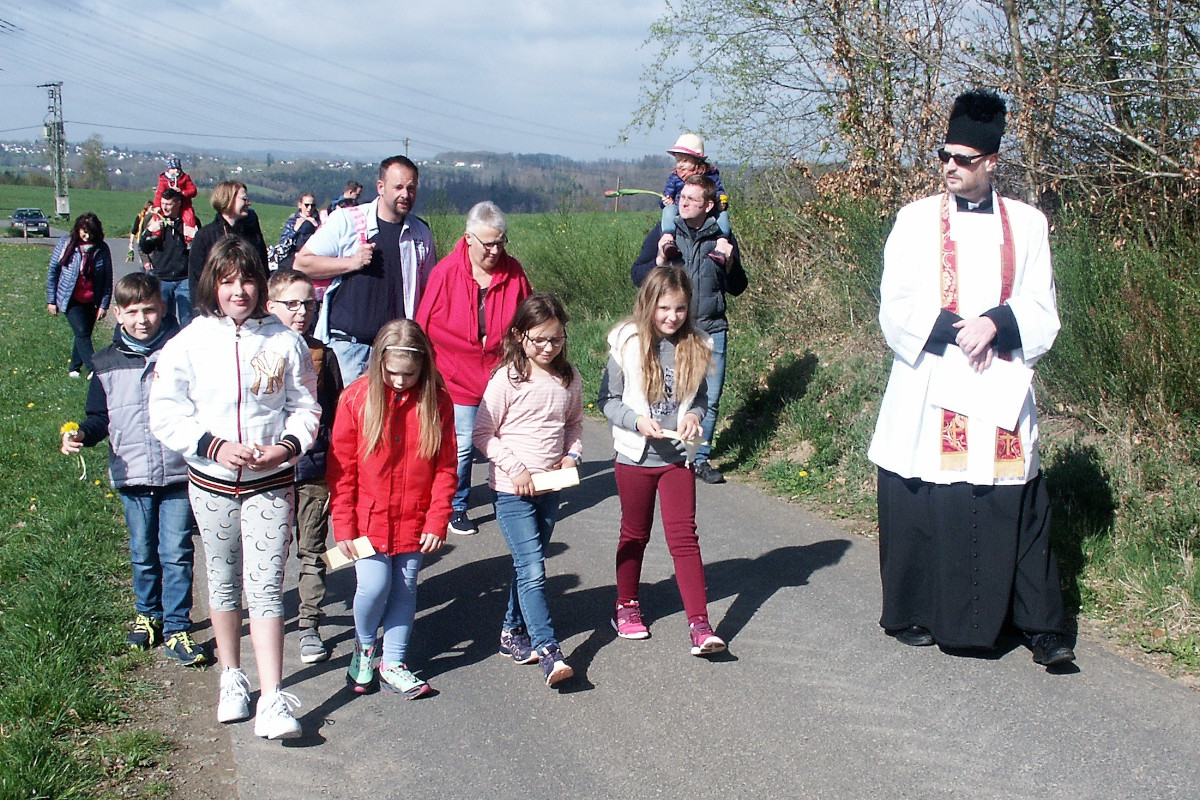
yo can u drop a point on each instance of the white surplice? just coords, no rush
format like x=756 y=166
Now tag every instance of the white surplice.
x=907 y=438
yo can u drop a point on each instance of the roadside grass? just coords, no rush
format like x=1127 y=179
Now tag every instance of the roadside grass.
x=66 y=679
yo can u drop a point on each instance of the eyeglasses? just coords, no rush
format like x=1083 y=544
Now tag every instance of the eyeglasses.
x=541 y=342
x=496 y=245
x=294 y=305
x=961 y=159
x=309 y=205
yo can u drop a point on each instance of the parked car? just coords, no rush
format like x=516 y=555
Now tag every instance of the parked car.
x=32 y=221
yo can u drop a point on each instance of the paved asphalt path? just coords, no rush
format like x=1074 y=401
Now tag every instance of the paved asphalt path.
x=812 y=700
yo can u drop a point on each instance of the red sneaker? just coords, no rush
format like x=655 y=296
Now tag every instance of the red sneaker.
x=627 y=620
x=704 y=641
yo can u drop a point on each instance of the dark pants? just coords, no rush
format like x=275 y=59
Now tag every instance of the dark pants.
x=82 y=319
x=312 y=530
x=961 y=560
x=676 y=486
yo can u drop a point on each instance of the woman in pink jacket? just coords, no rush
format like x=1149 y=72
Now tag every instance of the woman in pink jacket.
x=466 y=310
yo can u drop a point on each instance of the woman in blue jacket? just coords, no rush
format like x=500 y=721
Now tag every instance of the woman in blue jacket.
x=79 y=283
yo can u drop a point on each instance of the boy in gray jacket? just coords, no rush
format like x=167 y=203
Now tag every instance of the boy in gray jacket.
x=151 y=479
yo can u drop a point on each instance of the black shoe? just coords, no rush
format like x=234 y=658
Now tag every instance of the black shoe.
x=1050 y=649
x=461 y=524
x=671 y=251
x=708 y=473
x=913 y=636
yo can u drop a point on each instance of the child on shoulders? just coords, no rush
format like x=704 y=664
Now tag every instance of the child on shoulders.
x=690 y=160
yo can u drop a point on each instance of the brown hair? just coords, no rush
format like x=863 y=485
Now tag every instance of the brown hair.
x=137 y=287
x=533 y=311
x=693 y=357
x=281 y=279
x=89 y=222
x=224 y=195
x=403 y=341
x=231 y=255
x=707 y=184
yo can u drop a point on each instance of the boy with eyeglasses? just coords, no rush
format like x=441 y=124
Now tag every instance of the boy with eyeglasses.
x=292 y=299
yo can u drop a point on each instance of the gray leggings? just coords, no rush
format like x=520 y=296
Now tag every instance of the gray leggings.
x=246 y=539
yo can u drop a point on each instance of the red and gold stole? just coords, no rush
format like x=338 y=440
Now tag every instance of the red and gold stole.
x=1010 y=459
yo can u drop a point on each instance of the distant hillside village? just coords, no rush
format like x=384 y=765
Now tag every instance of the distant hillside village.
x=450 y=182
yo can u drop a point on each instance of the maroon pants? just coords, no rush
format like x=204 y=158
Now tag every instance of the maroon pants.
x=676 y=485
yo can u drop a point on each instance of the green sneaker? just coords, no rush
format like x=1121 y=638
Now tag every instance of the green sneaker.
x=146 y=633
x=396 y=678
x=181 y=647
x=361 y=674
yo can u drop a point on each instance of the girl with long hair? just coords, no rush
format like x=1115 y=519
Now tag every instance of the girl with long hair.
x=653 y=392
x=530 y=420
x=391 y=473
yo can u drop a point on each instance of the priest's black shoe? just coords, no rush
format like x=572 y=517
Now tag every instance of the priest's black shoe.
x=1050 y=649
x=913 y=636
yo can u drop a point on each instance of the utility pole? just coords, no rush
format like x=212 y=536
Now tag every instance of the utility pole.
x=406 y=147
x=56 y=138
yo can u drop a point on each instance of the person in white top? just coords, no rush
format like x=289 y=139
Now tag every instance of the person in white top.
x=964 y=516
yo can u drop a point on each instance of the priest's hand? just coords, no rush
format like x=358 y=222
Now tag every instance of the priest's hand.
x=975 y=336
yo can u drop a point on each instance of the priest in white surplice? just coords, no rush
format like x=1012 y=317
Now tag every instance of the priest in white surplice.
x=964 y=519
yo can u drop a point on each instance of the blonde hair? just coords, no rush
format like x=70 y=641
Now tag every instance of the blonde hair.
x=224 y=195
x=693 y=357
x=402 y=341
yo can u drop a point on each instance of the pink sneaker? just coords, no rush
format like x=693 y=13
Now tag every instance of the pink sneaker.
x=704 y=641
x=627 y=620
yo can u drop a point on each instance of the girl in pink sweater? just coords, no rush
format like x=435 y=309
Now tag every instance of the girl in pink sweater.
x=531 y=420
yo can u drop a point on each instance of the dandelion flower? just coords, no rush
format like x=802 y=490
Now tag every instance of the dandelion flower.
x=29 y=406
x=803 y=473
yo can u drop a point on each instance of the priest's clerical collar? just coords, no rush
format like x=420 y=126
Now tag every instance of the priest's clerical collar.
x=975 y=208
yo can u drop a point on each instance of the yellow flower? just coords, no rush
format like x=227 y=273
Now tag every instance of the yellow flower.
x=110 y=494
x=68 y=427
x=29 y=406
x=96 y=482
x=803 y=473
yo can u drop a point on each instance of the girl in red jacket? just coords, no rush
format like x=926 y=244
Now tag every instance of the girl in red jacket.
x=392 y=472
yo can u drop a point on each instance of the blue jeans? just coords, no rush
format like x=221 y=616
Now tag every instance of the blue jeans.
x=386 y=595
x=178 y=297
x=161 y=551
x=464 y=429
x=527 y=523
x=716 y=382
x=352 y=359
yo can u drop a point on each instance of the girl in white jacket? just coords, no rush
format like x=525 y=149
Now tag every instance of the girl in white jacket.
x=235 y=393
x=653 y=393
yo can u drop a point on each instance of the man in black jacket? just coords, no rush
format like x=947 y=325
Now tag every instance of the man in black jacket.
x=163 y=240
x=713 y=276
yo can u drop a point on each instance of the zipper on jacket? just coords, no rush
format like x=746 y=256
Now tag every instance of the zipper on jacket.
x=237 y=359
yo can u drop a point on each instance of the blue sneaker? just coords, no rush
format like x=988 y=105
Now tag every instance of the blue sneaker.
x=183 y=648
x=553 y=666
x=517 y=645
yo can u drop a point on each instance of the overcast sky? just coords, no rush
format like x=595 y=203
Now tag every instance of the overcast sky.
x=344 y=77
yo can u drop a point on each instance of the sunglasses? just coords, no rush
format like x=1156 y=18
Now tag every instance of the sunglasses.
x=960 y=159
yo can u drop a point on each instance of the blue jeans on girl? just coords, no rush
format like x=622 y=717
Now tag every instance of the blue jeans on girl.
x=387 y=595
x=527 y=523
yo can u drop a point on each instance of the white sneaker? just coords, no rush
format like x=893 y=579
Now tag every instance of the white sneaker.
x=274 y=719
x=235 y=696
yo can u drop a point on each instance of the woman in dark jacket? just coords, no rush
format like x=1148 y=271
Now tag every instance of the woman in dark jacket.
x=79 y=283
x=234 y=216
